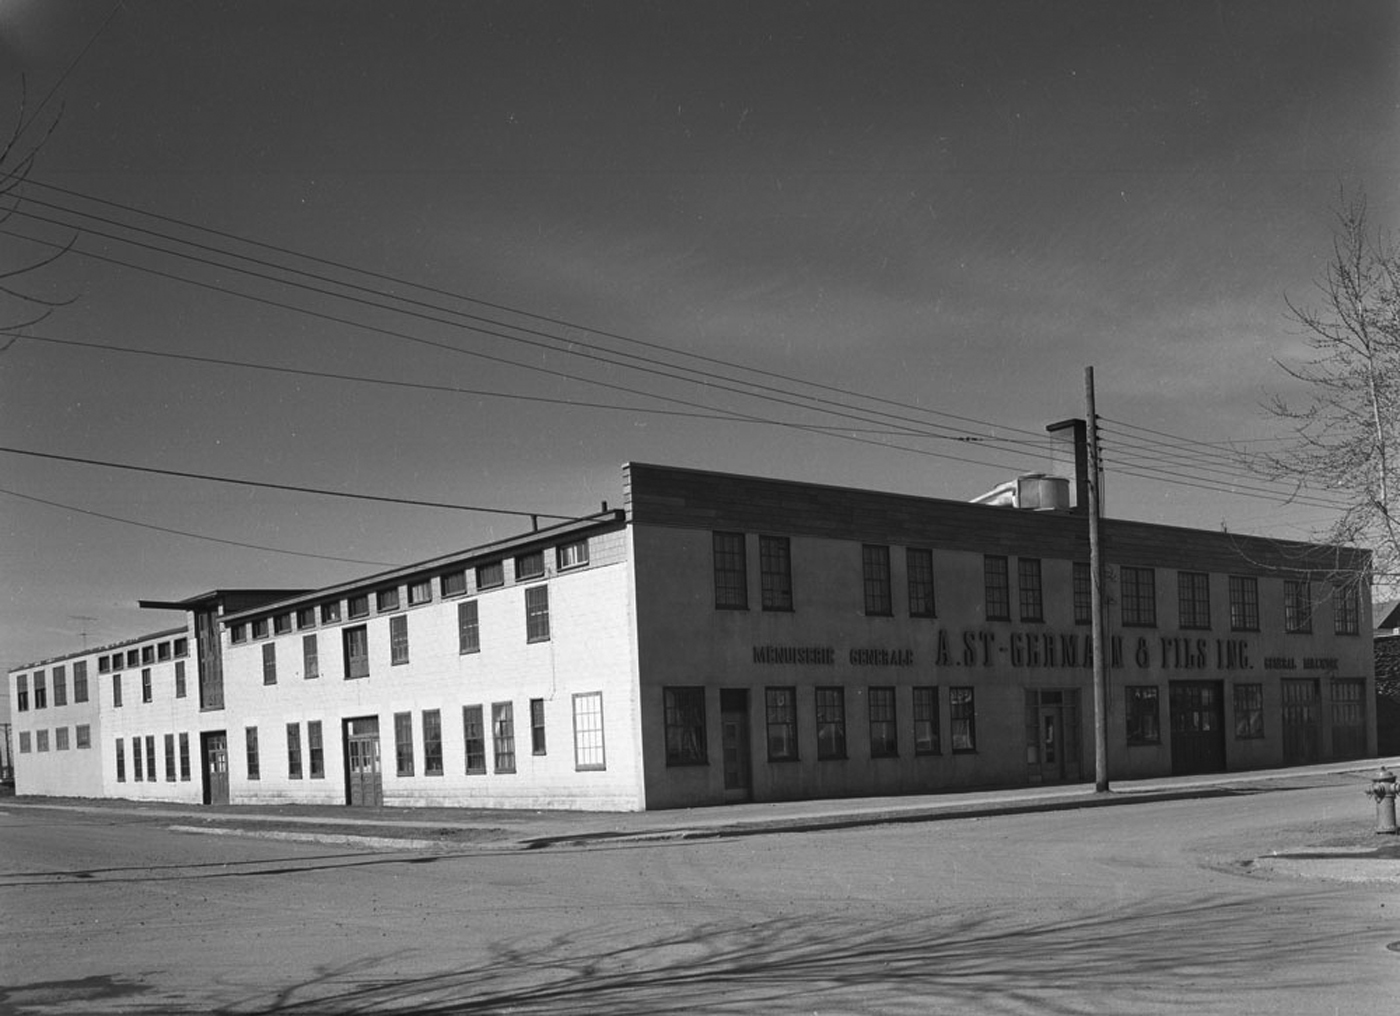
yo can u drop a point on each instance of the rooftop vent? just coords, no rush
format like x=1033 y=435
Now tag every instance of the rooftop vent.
x=1029 y=491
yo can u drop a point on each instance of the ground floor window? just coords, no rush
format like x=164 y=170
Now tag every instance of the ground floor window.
x=1249 y=711
x=316 y=750
x=474 y=739
x=150 y=758
x=1144 y=721
x=962 y=715
x=432 y=742
x=169 y=758
x=185 y=757
x=831 y=723
x=780 y=706
x=537 y=743
x=685 y=727
x=588 y=731
x=503 y=735
x=121 y=757
x=884 y=737
x=137 y=772
x=250 y=742
x=403 y=744
x=926 y=740
x=294 y=751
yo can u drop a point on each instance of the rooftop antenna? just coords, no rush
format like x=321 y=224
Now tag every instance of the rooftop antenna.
x=82 y=634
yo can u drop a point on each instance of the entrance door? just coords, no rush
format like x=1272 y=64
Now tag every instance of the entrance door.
x=364 y=781
x=734 y=726
x=1198 y=727
x=1348 y=717
x=1301 y=740
x=214 y=747
x=1052 y=742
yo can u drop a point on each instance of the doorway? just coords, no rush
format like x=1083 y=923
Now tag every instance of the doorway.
x=738 y=757
x=1198 y=727
x=1052 y=735
x=364 y=779
x=213 y=746
x=1302 y=742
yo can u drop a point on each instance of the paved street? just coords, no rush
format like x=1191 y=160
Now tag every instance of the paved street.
x=1150 y=907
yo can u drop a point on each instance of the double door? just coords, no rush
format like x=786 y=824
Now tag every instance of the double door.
x=364 y=779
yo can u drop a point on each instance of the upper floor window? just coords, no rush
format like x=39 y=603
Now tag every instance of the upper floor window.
x=875 y=571
x=356 y=641
x=529 y=566
x=453 y=583
x=330 y=612
x=420 y=592
x=269 y=663
x=357 y=606
x=306 y=618
x=572 y=555
x=398 y=639
x=537 y=614
x=1028 y=587
x=468 y=627
x=41 y=693
x=1137 y=588
x=775 y=572
x=1297 y=605
x=386 y=599
x=80 y=681
x=1083 y=593
x=731 y=572
x=1244 y=603
x=918 y=564
x=997 y=584
x=282 y=624
x=22 y=693
x=259 y=629
x=1346 y=611
x=490 y=575
x=1193 y=599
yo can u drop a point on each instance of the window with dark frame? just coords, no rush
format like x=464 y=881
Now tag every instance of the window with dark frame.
x=184 y=758
x=60 y=739
x=962 y=720
x=1193 y=600
x=250 y=750
x=386 y=600
x=22 y=694
x=80 y=681
x=420 y=592
x=398 y=639
x=24 y=742
x=116 y=691
x=918 y=564
x=589 y=754
x=148 y=655
x=1143 y=713
x=294 y=751
x=357 y=606
x=1346 y=610
x=571 y=555
x=282 y=624
x=1244 y=603
x=731 y=572
x=403 y=744
x=468 y=628
x=1297 y=606
x=181 y=690
x=474 y=739
x=82 y=735
x=60 y=686
x=41 y=691
x=488 y=576
x=104 y=664
x=41 y=740
x=182 y=647
x=686 y=743
x=775 y=572
x=1028 y=589
x=1137 y=593
x=121 y=761
x=356 y=644
x=306 y=618
x=926 y=734
x=163 y=652
x=780 y=708
x=996 y=582
x=503 y=736
x=529 y=566
x=133 y=659
x=259 y=628
x=315 y=750
x=146 y=690
x=169 y=758
x=875 y=574
x=537 y=745
x=330 y=612
x=453 y=583
x=432 y=742
x=537 y=614
x=831 y=723
x=269 y=663
x=1249 y=711
x=310 y=657
x=884 y=731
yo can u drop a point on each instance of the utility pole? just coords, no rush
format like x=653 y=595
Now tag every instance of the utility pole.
x=1096 y=573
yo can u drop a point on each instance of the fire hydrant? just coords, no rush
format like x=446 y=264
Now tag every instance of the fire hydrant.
x=1383 y=790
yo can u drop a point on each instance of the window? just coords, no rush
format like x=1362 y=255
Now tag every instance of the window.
x=182 y=647
x=1028 y=588
x=962 y=719
x=250 y=741
x=529 y=566
x=884 y=737
x=133 y=658
x=169 y=758
x=473 y=739
x=918 y=563
x=420 y=592
x=104 y=664
x=571 y=555
x=386 y=600
x=357 y=606
x=269 y=663
x=1083 y=593
x=146 y=691
x=403 y=743
x=180 y=688
x=330 y=612
x=468 y=628
x=685 y=726
x=780 y=706
x=80 y=681
x=1244 y=603
x=926 y=721
x=60 y=739
x=537 y=746
x=121 y=757
x=315 y=750
x=875 y=565
x=22 y=693
x=588 y=731
x=1138 y=595
x=775 y=572
x=731 y=572
x=150 y=758
x=1249 y=711
x=503 y=735
x=41 y=692
x=1345 y=610
x=831 y=723
x=489 y=576
x=148 y=655
x=237 y=633
x=356 y=652
x=294 y=751
x=184 y=758
x=537 y=614
x=453 y=583
x=163 y=652
x=432 y=742
x=24 y=742
x=282 y=624
x=1193 y=599
x=82 y=736
x=1144 y=721
x=1297 y=606
x=306 y=618
x=116 y=691
x=260 y=628
x=41 y=740
x=997 y=583
x=398 y=639
x=60 y=686
x=310 y=657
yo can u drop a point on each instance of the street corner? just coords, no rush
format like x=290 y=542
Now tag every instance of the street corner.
x=1354 y=862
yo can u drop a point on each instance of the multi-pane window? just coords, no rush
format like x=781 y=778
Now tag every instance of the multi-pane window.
x=104 y=664
x=357 y=606
x=488 y=576
x=1249 y=711
x=330 y=612
x=116 y=691
x=260 y=628
x=1143 y=715
x=731 y=572
x=148 y=654
x=997 y=584
x=41 y=741
x=537 y=614
x=306 y=618
x=588 y=731
x=184 y=758
x=398 y=639
x=181 y=687
x=537 y=744
x=775 y=572
x=315 y=750
x=138 y=772
x=80 y=681
x=1137 y=590
x=875 y=571
x=356 y=642
x=1082 y=591
x=269 y=663
x=121 y=761
x=453 y=583
x=386 y=600
x=169 y=758
x=82 y=736
x=1297 y=606
x=926 y=739
x=831 y=723
x=22 y=693
x=1346 y=610
x=237 y=633
x=41 y=692
x=420 y=592
x=60 y=739
x=432 y=742
x=685 y=726
x=133 y=657
x=60 y=686
x=962 y=719
x=250 y=752
x=918 y=564
x=182 y=647
x=282 y=624
x=294 y=751
x=146 y=691
x=780 y=707
x=310 y=657
x=24 y=742
x=1244 y=603
x=884 y=736
x=529 y=566
x=571 y=555
x=1028 y=588
x=1193 y=599
x=468 y=627
x=474 y=739
x=503 y=735
x=403 y=743
x=163 y=652
x=150 y=758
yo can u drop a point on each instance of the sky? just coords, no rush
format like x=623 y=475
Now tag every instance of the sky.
x=482 y=254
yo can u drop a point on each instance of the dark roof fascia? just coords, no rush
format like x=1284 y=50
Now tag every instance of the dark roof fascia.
x=217 y=595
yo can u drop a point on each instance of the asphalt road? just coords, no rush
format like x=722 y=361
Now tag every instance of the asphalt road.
x=1150 y=908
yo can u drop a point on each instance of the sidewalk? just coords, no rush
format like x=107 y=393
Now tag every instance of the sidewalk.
x=455 y=828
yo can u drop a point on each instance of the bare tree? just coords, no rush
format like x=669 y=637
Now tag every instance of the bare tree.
x=1346 y=426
